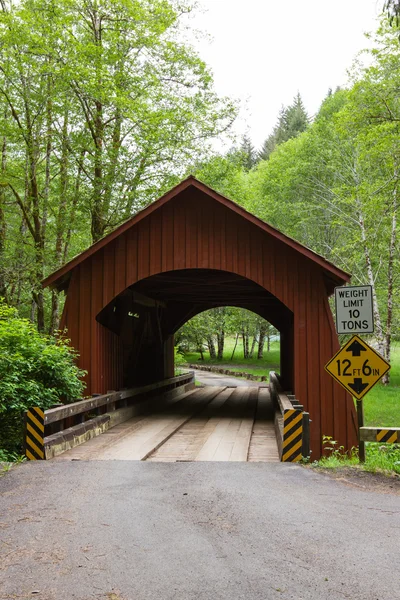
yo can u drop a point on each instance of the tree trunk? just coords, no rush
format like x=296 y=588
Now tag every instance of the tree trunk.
x=201 y=352
x=234 y=348
x=261 y=341
x=74 y=204
x=245 y=339
x=3 y=229
x=220 y=344
x=61 y=223
x=392 y=250
x=371 y=281
x=253 y=345
x=211 y=348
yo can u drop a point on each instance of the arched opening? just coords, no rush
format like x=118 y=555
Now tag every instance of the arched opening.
x=146 y=315
x=229 y=340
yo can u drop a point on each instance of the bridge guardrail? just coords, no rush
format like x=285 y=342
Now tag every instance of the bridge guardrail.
x=53 y=431
x=383 y=435
x=292 y=423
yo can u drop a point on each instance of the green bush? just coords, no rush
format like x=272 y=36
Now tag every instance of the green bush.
x=35 y=370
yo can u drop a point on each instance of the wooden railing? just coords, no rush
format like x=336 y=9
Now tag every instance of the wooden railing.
x=292 y=423
x=383 y=435
x=69 y=425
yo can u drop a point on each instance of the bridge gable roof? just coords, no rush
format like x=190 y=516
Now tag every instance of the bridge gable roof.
x=335 y=275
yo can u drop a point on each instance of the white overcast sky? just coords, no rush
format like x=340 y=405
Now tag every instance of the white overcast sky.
x=265 y=51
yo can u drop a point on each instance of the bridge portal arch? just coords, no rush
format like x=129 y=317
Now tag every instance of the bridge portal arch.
x=193 y=248
x=146 y=315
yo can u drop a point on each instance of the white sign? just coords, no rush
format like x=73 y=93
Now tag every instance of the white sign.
x=354 y=309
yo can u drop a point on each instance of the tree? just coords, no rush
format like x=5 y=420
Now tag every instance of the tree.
x=392 y=7
x=101 y=108
x=334 y=188
x=249 y=155
x=211 y=327
x=292 y=120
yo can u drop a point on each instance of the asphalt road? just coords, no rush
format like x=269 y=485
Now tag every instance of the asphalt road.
x=127 y=530
x=208 y=378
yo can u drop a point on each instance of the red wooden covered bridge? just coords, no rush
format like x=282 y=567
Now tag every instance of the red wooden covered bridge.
x=190 y=251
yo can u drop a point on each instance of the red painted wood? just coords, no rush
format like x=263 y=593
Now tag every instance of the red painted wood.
x=131 y=256
x=155 y=243
x=144 y=249
x=179 y=258
x=120 y=265
x=196 y=228
x=96 y=362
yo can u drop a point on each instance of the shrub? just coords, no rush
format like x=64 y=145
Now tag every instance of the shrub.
x=35 y=370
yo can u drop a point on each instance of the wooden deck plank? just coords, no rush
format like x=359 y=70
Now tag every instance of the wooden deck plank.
x=189 y=439
x=207 y=424
x=263 y=446
x=142 y=428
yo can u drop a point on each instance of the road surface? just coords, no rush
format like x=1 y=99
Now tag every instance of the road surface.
x=130 y=530
x=208 y=378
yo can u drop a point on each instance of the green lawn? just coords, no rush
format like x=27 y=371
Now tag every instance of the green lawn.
x=270 y=362
x=381 y=404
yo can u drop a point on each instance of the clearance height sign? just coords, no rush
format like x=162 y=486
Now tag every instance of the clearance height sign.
x=357 y=367
x=354 y=309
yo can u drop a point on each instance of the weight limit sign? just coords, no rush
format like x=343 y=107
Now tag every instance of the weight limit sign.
x=354 y=309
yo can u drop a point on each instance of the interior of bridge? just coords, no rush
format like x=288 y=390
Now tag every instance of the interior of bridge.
x=147 y=315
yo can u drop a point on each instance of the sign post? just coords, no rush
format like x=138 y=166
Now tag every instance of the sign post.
x=360 y=423
x=357 y=367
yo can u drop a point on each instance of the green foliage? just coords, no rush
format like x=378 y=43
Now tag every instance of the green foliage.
x=379 y=458
x=35 y=370
x=211 y=327
x=248 y=152
x=179 y=360
x=292 y=121
x=254 y=366
x=102 y=109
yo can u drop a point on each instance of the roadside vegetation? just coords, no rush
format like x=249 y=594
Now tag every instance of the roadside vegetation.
x=230 y=337
x=253 y=366
x=35 y=370
x=379 y=458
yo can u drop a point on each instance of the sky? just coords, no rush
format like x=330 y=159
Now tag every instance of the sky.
x=263 y=52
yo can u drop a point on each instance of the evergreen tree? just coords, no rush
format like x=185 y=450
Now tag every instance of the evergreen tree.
x=297 y=118
x=292 y=120
x=248 y=153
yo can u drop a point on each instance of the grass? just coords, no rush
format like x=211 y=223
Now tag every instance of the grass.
x=382 y=403
x=9 y=460
x=270 y=362
x=379 y=458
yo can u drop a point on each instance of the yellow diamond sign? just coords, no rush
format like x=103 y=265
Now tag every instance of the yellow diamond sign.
x=357 y=367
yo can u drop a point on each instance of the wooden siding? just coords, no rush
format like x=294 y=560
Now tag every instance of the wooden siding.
x=193 y=231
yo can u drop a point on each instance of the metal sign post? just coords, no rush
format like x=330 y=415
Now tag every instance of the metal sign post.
x=357 y=367
x=360 y=423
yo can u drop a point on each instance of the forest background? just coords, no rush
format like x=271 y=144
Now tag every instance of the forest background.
x=103 y=108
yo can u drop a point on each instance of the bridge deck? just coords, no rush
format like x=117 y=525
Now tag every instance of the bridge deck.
x=206 y=424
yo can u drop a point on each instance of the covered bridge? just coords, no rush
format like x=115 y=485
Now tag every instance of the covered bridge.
x=190 y=251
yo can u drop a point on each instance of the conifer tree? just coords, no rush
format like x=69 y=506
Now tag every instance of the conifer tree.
x=248 y=153
x=292 y=120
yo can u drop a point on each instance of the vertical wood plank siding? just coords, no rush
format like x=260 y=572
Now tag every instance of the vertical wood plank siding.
x=193 y=231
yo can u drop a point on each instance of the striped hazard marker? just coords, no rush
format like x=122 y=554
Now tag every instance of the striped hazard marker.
x=387 y=436
x=34 y=441
x=292 y=435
